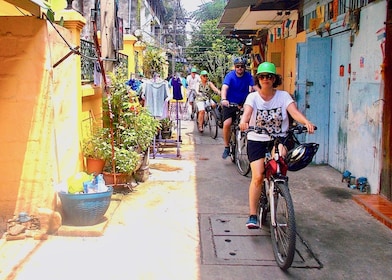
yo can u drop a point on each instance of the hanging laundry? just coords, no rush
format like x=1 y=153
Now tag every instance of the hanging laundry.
x=97 y=73
x=155 y=95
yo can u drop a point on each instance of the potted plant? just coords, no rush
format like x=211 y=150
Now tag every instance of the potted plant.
x=165 y=126
x=124 y=163
x=133 y=127
x=96 y=150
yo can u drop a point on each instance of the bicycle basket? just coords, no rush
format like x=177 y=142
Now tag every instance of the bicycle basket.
x=300 y=157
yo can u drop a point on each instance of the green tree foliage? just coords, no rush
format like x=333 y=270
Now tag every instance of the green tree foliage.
x=211 y=51
x=154 y=60
x=209 y=11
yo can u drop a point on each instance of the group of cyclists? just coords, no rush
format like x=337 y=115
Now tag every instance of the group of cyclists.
x=264 y=106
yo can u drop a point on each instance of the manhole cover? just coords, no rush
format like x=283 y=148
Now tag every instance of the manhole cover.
x=226 y=240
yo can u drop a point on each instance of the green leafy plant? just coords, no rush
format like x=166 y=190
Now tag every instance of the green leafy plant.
x=134 y=127
x=125 y=160
x=96 y=145
x=154 y=61
x=166 y=124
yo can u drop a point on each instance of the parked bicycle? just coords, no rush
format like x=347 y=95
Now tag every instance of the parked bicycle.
x=275 y=197
x=238 y=144
x=210 y=119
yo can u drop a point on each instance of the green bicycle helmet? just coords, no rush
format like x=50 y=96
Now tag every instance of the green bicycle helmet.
x=266 y=67
x=204 y=72
x=193 y=70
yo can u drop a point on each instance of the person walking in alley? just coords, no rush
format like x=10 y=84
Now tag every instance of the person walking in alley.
x=236 y=86
x=267 y=108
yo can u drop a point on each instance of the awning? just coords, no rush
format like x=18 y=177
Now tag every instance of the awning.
x=232 y=13
x=244 y=18
x=22 y=7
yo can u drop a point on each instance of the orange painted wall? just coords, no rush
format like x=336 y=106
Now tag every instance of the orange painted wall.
x=39 y=143
x=289 y=71
x=287 y=49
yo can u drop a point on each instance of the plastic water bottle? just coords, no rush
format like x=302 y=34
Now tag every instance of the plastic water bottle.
x=91 y=186
x=101 y=183
x=268 y=156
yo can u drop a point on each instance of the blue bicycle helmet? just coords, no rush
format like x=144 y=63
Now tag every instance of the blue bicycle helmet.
x=300 y=157
x=239 y=60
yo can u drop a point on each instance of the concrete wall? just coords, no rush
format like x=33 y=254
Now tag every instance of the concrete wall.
x=366 y=97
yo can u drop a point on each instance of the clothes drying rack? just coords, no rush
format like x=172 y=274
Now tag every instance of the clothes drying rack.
x=156 y=95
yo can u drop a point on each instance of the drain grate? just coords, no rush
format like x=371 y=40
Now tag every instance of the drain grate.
x=226 y=240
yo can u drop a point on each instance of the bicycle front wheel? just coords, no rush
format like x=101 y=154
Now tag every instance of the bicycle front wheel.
x=241 y=156
x=212 y=123
x=283 y=233
x=263 y=207
x=233 y=145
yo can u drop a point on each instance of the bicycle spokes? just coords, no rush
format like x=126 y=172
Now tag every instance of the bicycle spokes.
x=241 y=155
x=282 y=225
x=212 y=123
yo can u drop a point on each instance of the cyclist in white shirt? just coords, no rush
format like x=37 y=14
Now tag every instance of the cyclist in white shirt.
x=192 y=80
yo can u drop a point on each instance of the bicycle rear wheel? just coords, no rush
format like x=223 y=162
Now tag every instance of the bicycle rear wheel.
x=212 y=123
x=241 y=156
x=283 y=233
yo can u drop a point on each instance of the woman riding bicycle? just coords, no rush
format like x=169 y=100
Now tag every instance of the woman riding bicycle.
x=268 y=108
x=204 y=89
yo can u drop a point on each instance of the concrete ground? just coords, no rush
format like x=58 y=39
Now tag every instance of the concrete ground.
x=188 y=222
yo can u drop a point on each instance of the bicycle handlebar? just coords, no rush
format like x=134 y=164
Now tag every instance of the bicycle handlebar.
x=299 y=129
x=232 y=104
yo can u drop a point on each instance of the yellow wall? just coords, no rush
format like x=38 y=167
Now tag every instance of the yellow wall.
x=287 y=49
x=45 y=111
x=289 y=72
x=129 y=50
x=273 y=49
x=39 y=108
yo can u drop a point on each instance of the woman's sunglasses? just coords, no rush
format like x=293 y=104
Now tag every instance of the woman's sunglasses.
x=265 y=76
x=204 y=75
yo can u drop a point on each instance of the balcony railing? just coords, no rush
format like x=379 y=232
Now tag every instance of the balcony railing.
x=122 y=59
x=87 y=63
x=89 y=58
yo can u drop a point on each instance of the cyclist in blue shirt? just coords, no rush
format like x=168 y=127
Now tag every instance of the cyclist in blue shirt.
x=236 y=86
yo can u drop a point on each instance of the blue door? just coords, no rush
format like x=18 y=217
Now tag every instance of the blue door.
x=340 y=84
x=313 y=90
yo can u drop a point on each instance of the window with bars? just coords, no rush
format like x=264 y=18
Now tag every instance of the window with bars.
x=89 y=57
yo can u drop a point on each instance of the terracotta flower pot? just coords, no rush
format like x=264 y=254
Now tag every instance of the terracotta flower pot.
x=121 y=178
x=94 y=165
